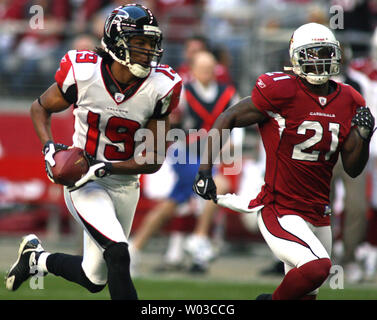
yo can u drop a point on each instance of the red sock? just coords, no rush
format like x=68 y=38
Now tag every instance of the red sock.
x=298 y=282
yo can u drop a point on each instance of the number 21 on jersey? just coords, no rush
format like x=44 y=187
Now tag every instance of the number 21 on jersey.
x=299 y=150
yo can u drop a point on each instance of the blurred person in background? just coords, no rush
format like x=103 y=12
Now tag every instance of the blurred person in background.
x=37 y=48
x=359 y=21
x=204 y=85
x=202 y=100
x=84 y=42
x=193 y=45
x=12 y=14
x=353 y=218
x=86 y=11
x=363 y=71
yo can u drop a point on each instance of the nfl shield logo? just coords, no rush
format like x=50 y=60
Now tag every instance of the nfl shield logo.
x=119 y=97
x=322 y=100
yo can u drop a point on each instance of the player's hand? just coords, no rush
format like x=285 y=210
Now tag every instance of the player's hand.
x=97 y=170
x=204 y=185
x=364 y=121
x=49 y=149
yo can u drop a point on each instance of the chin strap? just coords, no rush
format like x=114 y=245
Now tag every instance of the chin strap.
x=315 y=79
x=136 y=69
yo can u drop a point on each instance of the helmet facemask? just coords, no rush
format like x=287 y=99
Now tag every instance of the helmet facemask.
x=317 y=62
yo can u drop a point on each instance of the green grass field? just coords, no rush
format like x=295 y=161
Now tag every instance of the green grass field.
x=178 y=289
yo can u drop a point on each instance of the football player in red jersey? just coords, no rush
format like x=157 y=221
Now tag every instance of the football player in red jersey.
x=305 y=120
x=115 y=91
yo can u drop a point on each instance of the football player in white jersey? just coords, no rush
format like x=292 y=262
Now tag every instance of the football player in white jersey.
x=115 y=91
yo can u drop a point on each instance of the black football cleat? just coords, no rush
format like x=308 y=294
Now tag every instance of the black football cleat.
x=264 y=296
x=26 y=264
x=198 y=268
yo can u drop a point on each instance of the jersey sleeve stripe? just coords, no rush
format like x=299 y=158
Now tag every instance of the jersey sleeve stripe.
x=169 y=102
x=175 y=97
x=64 y=76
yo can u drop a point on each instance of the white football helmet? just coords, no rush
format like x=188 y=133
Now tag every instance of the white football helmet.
x=315 y=53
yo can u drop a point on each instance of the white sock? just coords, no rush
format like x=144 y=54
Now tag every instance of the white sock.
x=174 y=253
x=42 y=261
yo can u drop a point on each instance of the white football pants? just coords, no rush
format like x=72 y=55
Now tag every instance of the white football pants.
x=294 y=240
x=97 y=207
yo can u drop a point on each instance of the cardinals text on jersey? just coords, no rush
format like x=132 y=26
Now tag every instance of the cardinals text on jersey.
x=106 y=115
x=302 y=139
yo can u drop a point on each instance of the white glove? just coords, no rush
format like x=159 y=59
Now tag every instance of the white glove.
x=236 y=203
x=49 y=155
x=96 y=171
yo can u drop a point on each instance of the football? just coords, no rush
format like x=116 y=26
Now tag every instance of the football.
x=70 y=166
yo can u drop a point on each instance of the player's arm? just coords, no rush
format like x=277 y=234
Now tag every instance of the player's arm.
x=49 y=102
x=355 y=154
x=355 y=150
x=242 y=114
